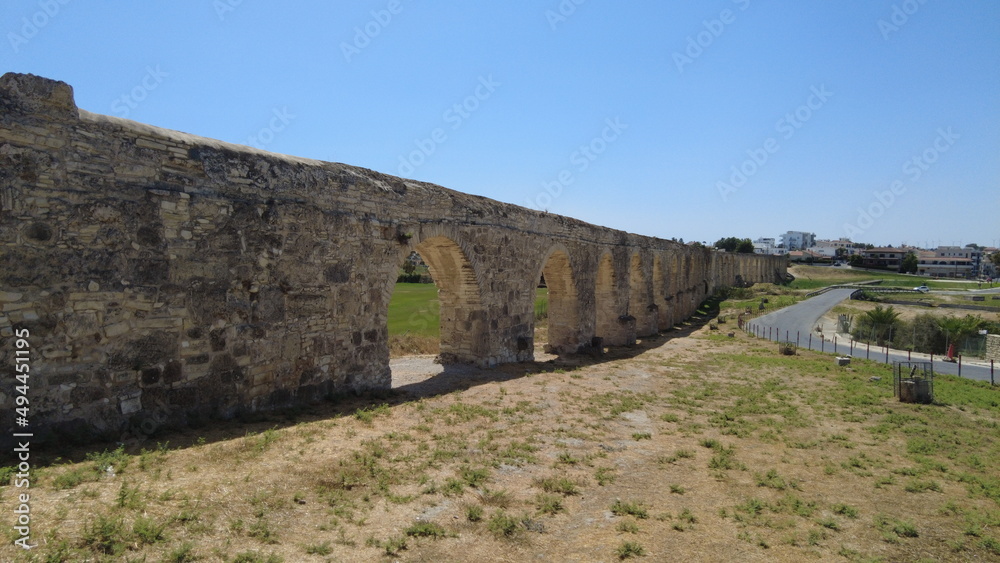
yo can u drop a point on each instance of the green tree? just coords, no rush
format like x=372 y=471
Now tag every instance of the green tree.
x=957 y=329
x=856 y=260
x=878 y=324
x=926 y=334
x=733 y=244
x=909 y=264
x=745 y=246
x=728 y=244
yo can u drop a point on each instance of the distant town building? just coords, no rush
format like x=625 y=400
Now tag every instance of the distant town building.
x=831 y=248
x=808 y=256
x=950 y=262
x=989 y=269
x=798 y=240
x=940 y=267
x=767 y=246
x=974 y=255
x=886 y=258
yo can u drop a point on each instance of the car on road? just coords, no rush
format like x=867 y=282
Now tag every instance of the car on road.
x=922 y=289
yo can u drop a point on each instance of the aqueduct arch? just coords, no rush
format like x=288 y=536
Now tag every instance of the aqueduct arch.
x=463 y=324
x=642 y=305
x=169 y=278
x=664 y=315
x=608 y=316
x=564 y=333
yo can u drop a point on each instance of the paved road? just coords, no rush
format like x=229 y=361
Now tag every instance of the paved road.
x=970 y=291
x=796 y=323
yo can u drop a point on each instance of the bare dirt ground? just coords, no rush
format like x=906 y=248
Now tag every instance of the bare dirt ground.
x=692 y=447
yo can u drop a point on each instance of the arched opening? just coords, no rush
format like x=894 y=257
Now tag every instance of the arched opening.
x=640 y=304
x=604 y=300
x=414 y=324
x=452 y=311
x=462 y=326
x=688 y=274
x=660 y=297
x=561 y=324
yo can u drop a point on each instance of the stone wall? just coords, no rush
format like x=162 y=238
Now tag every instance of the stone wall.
x=166 y=279
x=993 y=347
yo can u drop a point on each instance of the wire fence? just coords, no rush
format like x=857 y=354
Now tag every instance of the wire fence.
x=869 y=350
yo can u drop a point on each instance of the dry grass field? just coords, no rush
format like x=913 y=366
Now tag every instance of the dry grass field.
x=689 y=447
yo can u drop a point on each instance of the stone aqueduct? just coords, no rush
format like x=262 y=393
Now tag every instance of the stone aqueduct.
x=167 y=278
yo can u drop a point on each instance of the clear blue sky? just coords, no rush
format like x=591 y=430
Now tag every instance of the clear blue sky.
x=637 y=115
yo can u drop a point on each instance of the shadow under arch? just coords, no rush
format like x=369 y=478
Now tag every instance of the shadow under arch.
x=664 y=316
x=607 y=321
x=640 y=305
x=564 y=306
x=463 y=319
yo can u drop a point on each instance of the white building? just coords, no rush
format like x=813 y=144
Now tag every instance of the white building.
x=798 y=240
x=767 y=246
x=974 y=256
x=831 y=247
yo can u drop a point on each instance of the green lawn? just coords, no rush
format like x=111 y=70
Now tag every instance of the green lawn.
x=415 y=309
x=823 y=276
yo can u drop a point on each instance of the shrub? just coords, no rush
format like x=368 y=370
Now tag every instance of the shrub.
x=503 y=525
x=630 y=549
x=549 y=504
x=106 y=535
x=426 y=530
x=636 y=509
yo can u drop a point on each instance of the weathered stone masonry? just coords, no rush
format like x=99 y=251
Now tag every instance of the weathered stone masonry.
x=167 y=278
x=992 y=347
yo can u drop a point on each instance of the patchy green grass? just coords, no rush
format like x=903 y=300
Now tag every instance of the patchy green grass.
x=415 y=309
x=746 y=450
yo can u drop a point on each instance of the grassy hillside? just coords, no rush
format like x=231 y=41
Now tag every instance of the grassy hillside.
x=815 y=277
x=699 y=447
